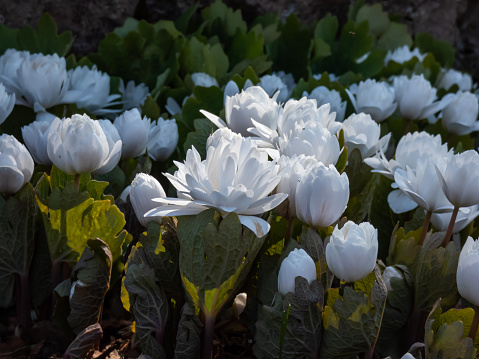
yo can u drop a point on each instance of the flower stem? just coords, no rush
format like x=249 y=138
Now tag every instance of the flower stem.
x=475 y=323
x=289 y=232
x=425 y=227
x=208 y=334
x=451 y=226
x=23 y=301
x=77 y=181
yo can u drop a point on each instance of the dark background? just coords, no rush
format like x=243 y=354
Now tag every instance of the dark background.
x=456 y=21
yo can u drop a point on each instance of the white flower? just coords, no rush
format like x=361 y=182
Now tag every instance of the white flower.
x=303 y=111
x=6 y=103
x=35 y=136
x=352 y=251
x=323 y=96
x=162 y=139
x=143 y=189
x=288 y=79
x=77 y=145
x=235 y=177
x=172 y=106
x=453 y=77
x=460 y=116
x=251 y=104
x=42 y=81
x=373 y=98
x=291 y=170
x=361 y=132
x=222 y=133
x=114 y=147
x=403 y=54
x=416 y=96
x=297 y=264
x=467 y=271
x=410 y=148
x=90 y=89
x=321 y=195
x=133 y=96
x=421 y=184
x=273 y=83
x=459 y=180
x=203 y=79
x=133 y=133
x=10 y=62
x=311 y=140
x=300 y=113
x=465 y=215
x=16 y=164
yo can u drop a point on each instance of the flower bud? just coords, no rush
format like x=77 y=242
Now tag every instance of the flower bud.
x=6 y=103
x=239 y=303
x=114 y=147
x=459 y=181
x=324 y=96
x=460 y=116
x=203 y=79
x=143 y=189
x=77 y=145
x=162 y=139
x=35 y=136
x=361 y=132
x=16 y=164
x=321 y=195
x=352 y=251
x=389 y=273
x=468 y=270
x=133 y=133
x=297 y=264
x=373 y=98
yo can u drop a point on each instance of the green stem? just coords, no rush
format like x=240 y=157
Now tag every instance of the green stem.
x=425 y=227
x=451 y=226
x=475 y=324
x=23 y=301
x=413 y=326
x=407 y=126
x=208 y=334
x=77 y=181
x=289 y=232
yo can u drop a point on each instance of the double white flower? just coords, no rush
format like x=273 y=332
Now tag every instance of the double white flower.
x=235 y=177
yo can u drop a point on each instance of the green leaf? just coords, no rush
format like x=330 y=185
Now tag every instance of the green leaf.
x=188 y=338
x=326 y=29
x=183 y=20
x=8 y=38
x=84 y=342
x=90 y=281
x=342 y=160
x=71 y=218
x=149 y=307
x=442 y=50
x=352 y=324
x=160 y=249
x=17 y=238
x=45 y=40
x=199 y=57
x=435 y=274
x=203 y=129
x=378 y=20
x=395 y=36
x=116 y=181
x=245 y=46
x=446 y=339
x=313 y=245
x=223 y=21
x=290 y=52
x=303 y=327
x=215 y=257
